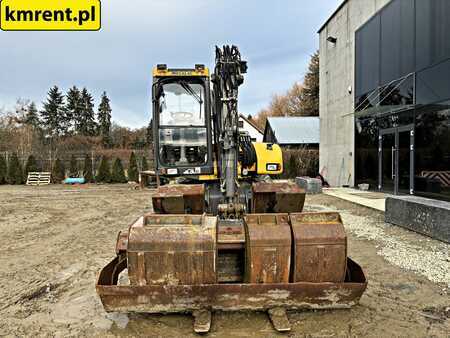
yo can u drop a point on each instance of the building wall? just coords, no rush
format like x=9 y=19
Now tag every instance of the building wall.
x=253 y=132
x=403 y=99
x=336 y=90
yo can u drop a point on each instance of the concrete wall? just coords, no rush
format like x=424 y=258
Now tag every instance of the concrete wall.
x=337 y=64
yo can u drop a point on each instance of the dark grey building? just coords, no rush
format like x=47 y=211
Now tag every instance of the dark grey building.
x=400 y=93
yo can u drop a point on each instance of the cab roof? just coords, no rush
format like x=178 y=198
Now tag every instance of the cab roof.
x=163 y=71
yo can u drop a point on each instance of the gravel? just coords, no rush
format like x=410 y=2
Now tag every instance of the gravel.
x=403 y=248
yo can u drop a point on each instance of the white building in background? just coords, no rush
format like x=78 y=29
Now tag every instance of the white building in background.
x=249 y=126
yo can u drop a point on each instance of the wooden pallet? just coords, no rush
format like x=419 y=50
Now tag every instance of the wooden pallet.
x=38 y=178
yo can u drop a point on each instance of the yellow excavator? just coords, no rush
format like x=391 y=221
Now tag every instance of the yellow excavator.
x=222 y=236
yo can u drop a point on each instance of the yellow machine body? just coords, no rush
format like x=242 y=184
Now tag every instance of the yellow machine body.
x=269 y=162
x=269 y=159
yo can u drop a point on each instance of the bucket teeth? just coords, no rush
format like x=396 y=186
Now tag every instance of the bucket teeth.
x=202 y=321
x=279 y=319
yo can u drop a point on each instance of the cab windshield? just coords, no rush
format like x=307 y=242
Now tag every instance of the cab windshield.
x=183 y=132
x=182 y=104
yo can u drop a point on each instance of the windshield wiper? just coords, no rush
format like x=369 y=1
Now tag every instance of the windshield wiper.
x=189 y=89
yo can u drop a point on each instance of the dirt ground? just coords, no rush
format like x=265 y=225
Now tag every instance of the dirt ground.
x=55 y=239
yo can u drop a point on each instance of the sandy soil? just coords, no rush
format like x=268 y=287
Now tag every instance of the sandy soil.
x=55 y=239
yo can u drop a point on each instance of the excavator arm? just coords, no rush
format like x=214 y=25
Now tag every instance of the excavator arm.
x=227 y=77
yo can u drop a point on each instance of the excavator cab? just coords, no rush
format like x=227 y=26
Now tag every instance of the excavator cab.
x=182 y=121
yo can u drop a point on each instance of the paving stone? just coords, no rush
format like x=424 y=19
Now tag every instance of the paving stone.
x=311 y=185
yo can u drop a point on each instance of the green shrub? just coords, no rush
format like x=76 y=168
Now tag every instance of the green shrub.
x=15 y=175
x=144 y=167
x=73 y=171
x=30 y=167
x=118 y=174
x=133 y=171
x=58 y=172
x=104 y=171
x=3 y=170
x=144 y=164
x=87 y=170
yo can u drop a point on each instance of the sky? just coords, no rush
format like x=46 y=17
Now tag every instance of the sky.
x=277 y=39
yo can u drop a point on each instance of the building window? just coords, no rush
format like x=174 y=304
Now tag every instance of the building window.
x=368 y=60
x=398 y=93
x=433 y=84
x=397 y=40
x=385 y=44
x=432 y=151
x=432 y=27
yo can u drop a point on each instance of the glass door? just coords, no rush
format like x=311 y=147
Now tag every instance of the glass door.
x=405 y=160
x=387 y=161
x=396 y=160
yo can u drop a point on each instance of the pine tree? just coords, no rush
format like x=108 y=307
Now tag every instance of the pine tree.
x=31 y=116
x=87 y=171
x=53 y=114
x=58 y=172
x=104 y=120
x=86 y=124
x=14 y=170
x=310 y=98
x=3 y=170
x=133 y=172
x=30 y=166
x=74 y=109
x=73 y=171
x=118 y=174
x=104 y=171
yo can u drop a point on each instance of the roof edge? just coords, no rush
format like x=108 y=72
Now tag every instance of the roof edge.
x=287 y=138
x=292 y=117
x=253 y=124
x=332 y=16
